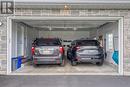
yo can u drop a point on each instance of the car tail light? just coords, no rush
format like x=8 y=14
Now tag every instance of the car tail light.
x=77 y=58
x=58 y=61
x=35 y=61
x=61 y=49
x=77 y=48
x=33 y=50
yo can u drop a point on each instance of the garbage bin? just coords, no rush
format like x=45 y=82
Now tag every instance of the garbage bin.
x=14 y=63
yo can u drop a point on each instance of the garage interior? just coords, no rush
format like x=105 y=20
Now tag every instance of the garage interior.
x=24 y=32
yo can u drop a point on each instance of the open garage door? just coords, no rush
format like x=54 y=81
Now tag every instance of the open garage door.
x=23 y=31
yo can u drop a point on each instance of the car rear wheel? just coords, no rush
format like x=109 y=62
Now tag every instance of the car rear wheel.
x=68 y=57
x=73 y=63
x=100 y=63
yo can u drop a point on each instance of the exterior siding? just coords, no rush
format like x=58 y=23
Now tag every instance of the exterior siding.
x=3 y=39
x=82 y=12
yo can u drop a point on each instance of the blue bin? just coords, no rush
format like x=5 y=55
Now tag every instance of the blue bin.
x=19 y=62
x=115 y=56
x=16 y=63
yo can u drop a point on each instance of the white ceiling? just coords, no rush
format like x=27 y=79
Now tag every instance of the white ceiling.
x=65 y=25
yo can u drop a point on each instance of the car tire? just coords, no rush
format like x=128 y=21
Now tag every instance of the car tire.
x=100 y=63
x=63 y=63
x=73 y=63
x=68 y=56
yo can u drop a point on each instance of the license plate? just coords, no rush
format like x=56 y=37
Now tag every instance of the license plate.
x=45 y=52
x=86 y=58
x=89 y=51
x=47 y=59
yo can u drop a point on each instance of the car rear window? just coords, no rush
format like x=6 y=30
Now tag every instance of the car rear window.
x=88 y=43
x=48 y=42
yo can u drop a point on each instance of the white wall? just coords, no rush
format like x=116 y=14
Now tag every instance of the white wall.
x=17 y=39
x=67 y=35
x=23 y=36
x=14 y=42
x=110 y=28
x=93 y=33
x=32 y=34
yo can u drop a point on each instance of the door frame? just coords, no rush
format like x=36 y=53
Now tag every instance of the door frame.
x=120 y=34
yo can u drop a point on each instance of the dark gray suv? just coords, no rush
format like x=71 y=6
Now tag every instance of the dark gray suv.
x=85 y=51
x=47 y=51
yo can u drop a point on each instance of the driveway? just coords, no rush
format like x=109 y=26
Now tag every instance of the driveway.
x=64 y=81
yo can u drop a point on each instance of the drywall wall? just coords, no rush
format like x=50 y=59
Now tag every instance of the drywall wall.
x=66 y=35
x=31 y=35
x=22 y=38
x=109 y=28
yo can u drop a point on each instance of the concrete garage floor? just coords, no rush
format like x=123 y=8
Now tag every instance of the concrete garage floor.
x=67 y=69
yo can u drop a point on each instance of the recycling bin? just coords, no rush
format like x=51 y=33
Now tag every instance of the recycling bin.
x=16 y=63
x=19 y=62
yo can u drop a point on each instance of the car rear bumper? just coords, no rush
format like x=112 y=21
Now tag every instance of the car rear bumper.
x=90 y=58
x=47 y=60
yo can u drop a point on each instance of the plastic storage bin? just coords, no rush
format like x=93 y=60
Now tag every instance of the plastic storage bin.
x=115 y=57
x=16 y=63
x=19 y=62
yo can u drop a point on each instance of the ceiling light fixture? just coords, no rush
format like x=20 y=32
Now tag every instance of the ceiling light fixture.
x=65 y=7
